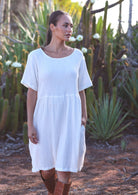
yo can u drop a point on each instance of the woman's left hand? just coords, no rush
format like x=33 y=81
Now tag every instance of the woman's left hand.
x=83 y=121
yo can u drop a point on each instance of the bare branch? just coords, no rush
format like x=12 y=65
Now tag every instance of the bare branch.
x=16 y=41
x=110 y=6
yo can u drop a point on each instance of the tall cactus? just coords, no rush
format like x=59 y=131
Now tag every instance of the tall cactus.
x=103 y=38
x=37 y=39
x=93 y=25
x=100 y=88
x=87 y=28
x=108 y=63
x=7 y=88
x=4 y=114
x=19 y=86
x=13 y=82
x=89 y=61
x=1 y=106
x=16 y=114
x=25 y=133
x=0 y=92
x=84 y=25
x=90 y=97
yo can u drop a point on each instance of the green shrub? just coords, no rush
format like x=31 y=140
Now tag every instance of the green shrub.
x=106 y=120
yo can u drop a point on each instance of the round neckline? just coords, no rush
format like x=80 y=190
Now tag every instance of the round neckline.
x=57 y=58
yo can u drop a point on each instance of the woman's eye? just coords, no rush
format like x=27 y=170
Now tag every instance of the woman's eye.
x=66 y=25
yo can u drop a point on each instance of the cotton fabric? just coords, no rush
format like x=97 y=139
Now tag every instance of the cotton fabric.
x=57 y=115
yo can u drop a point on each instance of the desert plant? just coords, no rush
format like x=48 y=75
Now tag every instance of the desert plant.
x=4 y=115
x=105 y=122
x=131 y=92
x=15 y=114
x=25 y=133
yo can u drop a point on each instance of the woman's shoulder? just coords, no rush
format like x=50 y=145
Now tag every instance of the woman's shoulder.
x=35 y=52
x=78 y=52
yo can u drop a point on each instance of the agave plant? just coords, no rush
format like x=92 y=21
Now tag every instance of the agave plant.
x=32 y=23
x=105 y=122
x=131 y=89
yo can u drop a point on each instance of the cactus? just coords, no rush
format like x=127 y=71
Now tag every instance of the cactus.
x=103 y=38
x=1 y=106
x=108 y=63
x=93 y=25
x=7 y=88
x=4 y=114
x=21 y=113
x=13 y=82
x=37 y=39
x=0 y=92
x=19 y=86
x=15 y=114
x=83 y=27
x=25 y=133
x=90 y=97
x=87 y=28
x=100 y=88
x=89 y=60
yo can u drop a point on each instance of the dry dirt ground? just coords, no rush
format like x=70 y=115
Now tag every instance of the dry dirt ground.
x=107 y=169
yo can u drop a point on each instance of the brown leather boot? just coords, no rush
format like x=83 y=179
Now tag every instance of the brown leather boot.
x=66 y=188
x=49 y=182
x=62 y=188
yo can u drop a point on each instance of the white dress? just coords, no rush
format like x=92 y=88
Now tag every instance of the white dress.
x=57 y=115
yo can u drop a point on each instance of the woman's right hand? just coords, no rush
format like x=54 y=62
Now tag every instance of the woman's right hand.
x=32 y=135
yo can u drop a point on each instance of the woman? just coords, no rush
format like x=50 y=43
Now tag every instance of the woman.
x=56 y=76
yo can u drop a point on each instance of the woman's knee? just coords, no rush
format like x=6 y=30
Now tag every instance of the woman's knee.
x=64 y=176
x=47 y=173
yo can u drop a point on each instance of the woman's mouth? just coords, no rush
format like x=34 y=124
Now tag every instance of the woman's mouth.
x=68 y=35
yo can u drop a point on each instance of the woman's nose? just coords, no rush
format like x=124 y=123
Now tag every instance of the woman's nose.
x=69 y=28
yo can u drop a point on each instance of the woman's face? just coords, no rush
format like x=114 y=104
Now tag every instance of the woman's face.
x=64 y=28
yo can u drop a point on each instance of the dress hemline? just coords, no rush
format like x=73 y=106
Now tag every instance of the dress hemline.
x=58 y=169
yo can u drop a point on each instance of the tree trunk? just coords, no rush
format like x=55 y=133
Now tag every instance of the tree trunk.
x=9 y=18
x=120 y=18
x=129 y=32
x=2 y=6
x=31 y=4
x=50 y=5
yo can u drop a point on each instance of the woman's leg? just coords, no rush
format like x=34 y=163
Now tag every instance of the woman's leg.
x=63 y=183
x=49 y=179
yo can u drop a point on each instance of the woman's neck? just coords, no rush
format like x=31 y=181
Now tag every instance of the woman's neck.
x=56 y=46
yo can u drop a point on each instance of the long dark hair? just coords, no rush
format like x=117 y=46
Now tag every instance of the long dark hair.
x=53 y=19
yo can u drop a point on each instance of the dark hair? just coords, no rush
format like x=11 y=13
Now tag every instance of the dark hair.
x=53 y=19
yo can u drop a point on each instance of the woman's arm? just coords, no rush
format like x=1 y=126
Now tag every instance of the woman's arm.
x=31 y=102
x=84 y=107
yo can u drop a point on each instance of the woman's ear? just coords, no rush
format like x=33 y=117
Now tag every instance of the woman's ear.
x=52 y=27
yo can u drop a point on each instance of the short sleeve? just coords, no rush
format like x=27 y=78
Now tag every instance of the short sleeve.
x=30 y=76
x=84 y=78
